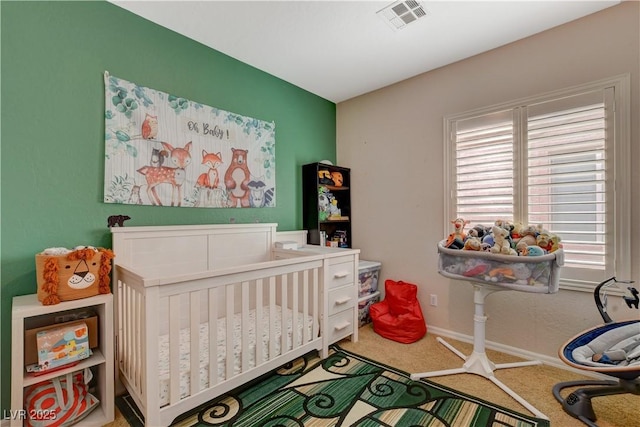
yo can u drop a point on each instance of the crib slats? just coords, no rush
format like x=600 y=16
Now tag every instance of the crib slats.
x=295 y=333
x=245 y=327
x=213 y=335
x=316 y=305
x=282 y=302
x=284 y=318
x=131 y=305
x=259 y=323
x=272 y=317
x=174 y=349
x=129 y=327
x=136 y=308
x=305 y=306
x=194 y=343
x=230 y=333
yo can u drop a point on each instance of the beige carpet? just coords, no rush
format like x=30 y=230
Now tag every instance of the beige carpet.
x=532 y=383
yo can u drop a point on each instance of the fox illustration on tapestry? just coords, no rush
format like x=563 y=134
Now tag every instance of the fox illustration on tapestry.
x=175 y=175
x=208 y=183
x=211 y=178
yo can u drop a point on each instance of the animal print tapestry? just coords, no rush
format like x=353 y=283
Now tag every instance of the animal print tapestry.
x=164 y=150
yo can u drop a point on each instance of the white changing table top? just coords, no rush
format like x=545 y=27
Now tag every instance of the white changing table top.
x=326 y=251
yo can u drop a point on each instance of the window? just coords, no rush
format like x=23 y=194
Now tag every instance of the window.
x=560 y=160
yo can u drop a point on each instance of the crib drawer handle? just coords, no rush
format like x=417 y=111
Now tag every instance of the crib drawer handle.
x=341 y=326
x=341 y=274
x=343 y=300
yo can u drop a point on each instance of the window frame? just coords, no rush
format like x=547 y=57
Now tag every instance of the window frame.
x=619 y=145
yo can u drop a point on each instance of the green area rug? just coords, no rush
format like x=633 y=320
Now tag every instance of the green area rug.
x=344 y=390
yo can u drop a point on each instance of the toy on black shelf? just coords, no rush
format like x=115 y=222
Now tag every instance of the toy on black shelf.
x=324 y=177
x=337 y=178
x=118 y=220
x=324 y=201
x=340 y=236
x=334 y=210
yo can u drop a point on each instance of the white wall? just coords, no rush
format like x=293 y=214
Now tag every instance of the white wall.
x=393 y=141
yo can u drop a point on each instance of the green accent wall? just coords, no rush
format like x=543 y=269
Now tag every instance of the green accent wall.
x=53 y=58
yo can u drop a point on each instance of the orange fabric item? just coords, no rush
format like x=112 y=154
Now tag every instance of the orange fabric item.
x=399 y=317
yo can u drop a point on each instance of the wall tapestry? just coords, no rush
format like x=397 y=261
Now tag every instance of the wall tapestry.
x=164 y=150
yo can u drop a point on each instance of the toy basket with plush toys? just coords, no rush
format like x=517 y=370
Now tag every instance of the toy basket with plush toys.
x=518 y=257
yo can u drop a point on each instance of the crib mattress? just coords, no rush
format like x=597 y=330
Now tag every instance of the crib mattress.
x=185 y=356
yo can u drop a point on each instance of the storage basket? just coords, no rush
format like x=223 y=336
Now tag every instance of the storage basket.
x=363 y=308
x=525 y=273
x=78 y=274
x=368 y=275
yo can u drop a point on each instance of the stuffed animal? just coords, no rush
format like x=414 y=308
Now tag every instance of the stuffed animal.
x=455 y=269
x=324 y=200
x=472 y=244
x=500 y=274
x=488 y=239
x=547 y=240
x=475 y=267
x=478 y=231
x=521 y=273
x=324 y=177
x=532 y=251
x=337 y=178
x=334 y=210
x=506 y=224
x=501 y=244
x=555 y=243
x=516 y=231
x=527 y=238
x=457 y=238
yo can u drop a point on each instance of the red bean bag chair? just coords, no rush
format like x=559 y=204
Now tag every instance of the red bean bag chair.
x=398 y=317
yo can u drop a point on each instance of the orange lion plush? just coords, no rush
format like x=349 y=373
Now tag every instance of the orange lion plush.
x=81 y=273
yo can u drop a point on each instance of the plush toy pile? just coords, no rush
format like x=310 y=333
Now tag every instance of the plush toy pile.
x=503 y=237
x=500 y=239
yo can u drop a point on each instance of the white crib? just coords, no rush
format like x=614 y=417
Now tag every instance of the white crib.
x=172 y=283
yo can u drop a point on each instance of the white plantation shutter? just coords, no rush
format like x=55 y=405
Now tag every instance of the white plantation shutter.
x=568 y=179
x=551 y=161
x=484 y=169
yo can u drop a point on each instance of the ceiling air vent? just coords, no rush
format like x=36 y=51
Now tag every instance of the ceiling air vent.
x=402 y=13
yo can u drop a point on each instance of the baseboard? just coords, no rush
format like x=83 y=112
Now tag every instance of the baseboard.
x=518 y=352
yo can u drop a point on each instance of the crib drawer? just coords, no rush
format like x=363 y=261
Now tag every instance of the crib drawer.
x=341 y=273
x=340 y=325
x=341 y=299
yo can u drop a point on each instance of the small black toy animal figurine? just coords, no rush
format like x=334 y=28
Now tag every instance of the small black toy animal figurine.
x=633 y=300
x=118 y=220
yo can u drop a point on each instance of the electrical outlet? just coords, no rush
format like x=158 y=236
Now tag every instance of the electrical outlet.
x=434 y=300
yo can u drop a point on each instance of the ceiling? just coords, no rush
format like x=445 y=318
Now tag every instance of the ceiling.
x=342 y=49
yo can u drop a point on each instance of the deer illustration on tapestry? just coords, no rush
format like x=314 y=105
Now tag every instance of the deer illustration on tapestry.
x=175 y=175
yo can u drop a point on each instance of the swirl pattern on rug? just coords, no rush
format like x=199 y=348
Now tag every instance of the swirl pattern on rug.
x=346 y=389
